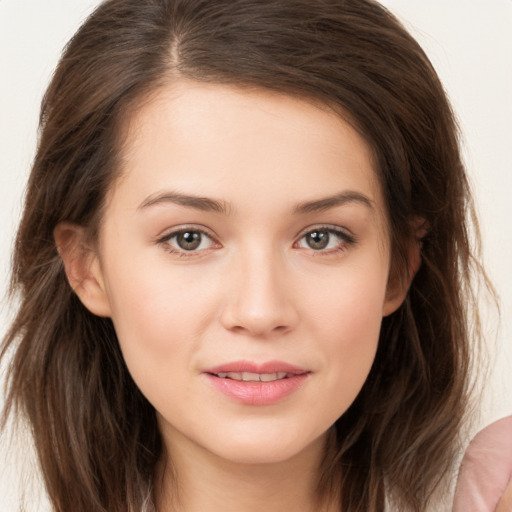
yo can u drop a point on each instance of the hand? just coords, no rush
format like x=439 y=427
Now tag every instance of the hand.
x=505 y=504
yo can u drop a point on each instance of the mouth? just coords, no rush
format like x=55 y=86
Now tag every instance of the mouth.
x=248 y=371
x=254 y=377
x=257 y=384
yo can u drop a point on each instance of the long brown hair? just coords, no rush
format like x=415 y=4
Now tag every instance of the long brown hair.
x=95 y=434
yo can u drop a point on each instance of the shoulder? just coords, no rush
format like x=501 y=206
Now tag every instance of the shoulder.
x=486 y=469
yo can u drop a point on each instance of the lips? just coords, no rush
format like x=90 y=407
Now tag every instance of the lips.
x=257 y=384
x=254 y=377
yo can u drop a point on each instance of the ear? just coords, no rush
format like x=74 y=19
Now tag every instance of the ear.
x=82 y=267
x=399 y=285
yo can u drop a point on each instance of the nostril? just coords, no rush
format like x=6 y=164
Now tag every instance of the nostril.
x=259 y=310
x=259 y=329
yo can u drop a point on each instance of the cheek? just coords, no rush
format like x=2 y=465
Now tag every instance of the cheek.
x=150 y=298
x=347 y=321
x=158 y=318
x=158 y=334
x=350 y=304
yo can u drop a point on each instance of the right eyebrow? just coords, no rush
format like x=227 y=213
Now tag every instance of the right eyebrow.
x=197 y=202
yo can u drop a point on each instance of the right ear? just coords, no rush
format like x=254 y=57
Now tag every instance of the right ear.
x=82 y=267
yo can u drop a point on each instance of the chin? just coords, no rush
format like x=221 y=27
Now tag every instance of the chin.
x=267 y=448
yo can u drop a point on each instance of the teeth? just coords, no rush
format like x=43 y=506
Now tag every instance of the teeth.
x=253 y=377
x=250 y=377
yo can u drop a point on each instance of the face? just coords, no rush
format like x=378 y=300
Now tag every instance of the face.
x=244 y=259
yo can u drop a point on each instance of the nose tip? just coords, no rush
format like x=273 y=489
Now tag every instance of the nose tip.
x=256 y=325
x=260 y=302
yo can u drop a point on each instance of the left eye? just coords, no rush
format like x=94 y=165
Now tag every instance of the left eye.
x=322 y=239
x=189 y=240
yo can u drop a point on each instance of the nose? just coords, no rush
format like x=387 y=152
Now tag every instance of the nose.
x=260 y=300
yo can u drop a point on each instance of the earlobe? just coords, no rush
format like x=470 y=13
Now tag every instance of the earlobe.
x=397 y=290
x=82 y=267
x=399 y=285
x=394 y=298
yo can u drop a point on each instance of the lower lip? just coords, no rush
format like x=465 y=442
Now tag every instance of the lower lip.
x=258 y=393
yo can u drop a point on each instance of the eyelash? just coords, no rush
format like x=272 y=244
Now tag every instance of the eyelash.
x=346 y=240
x=164 y=241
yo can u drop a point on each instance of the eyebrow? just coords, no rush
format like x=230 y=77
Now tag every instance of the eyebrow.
x=197 y=202
x=326 y=203
x=214 y=205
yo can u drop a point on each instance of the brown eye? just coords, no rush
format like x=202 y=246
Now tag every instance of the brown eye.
x=318 y=239
x=325 y=239
x=189 y=240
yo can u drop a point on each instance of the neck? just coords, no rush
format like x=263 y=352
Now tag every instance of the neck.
x=198 y=481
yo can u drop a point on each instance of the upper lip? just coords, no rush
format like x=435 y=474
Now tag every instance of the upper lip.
x=253 y=367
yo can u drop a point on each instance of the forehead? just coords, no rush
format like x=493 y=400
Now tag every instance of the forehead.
x=242 y=146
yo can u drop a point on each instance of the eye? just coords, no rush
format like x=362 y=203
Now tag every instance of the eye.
x=187 y=240
x=325 y=239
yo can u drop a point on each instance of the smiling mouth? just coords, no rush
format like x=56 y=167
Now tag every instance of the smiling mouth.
x=254 y=377
x=257 y=384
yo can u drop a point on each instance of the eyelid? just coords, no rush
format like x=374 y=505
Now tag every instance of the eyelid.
x=169 y=233
x=342 y=231
x=347 y=237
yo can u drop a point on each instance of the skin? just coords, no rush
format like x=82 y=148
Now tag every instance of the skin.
x=254 y=289
x=505 y=504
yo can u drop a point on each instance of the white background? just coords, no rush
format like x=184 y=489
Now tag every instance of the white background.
x=470 y=44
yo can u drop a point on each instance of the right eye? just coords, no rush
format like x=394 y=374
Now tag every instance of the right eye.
x=187 y=240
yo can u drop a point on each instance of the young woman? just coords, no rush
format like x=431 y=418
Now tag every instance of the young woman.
x=243 y=263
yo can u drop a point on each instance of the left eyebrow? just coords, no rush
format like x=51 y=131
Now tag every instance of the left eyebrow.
x=326 y=203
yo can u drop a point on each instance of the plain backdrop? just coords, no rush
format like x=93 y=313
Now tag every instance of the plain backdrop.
x=469 y=43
